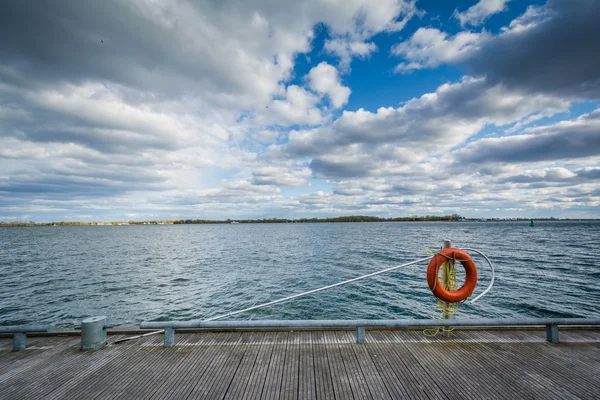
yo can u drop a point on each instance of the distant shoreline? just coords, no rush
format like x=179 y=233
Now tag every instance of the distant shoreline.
x=353 y=218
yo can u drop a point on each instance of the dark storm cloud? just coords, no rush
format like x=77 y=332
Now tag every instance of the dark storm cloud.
x=76 y=178
x=76 y=41
x=340 y=168
x=106 y=141
x=88 y=115
x=553 y=178
x=565 y=140
x=560 y=55
x=589 y=173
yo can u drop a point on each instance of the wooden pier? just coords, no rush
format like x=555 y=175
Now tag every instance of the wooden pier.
x=392 y=364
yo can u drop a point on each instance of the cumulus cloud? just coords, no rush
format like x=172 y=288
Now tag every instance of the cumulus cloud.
x=124 y=97
x=429 y=47
x=325 y=79
x=553 y=50
x=571 y=139
x=162 y=110
x=298 y=106
x=478 y=13
x=550 y=49
x=346 y=49
x=433 y=123
x=424 y=156
x=280 y=176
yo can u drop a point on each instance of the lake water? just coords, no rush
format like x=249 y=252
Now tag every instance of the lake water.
x=60 y=275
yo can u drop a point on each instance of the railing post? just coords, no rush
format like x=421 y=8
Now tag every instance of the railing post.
x=169 y=337
x=19 y=341
x=445 y=280
x=360 y=334
x=552 y=333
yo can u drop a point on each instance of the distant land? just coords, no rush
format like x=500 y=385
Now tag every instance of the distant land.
x=351 y=218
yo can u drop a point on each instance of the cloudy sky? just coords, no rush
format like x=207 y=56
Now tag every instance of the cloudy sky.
x=152 y=109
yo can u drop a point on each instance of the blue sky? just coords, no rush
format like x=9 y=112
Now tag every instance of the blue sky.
x=250 y=109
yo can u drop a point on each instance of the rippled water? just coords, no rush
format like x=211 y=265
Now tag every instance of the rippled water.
x=60 y=275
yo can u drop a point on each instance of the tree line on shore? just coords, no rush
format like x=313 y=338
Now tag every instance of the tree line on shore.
x=351 y=218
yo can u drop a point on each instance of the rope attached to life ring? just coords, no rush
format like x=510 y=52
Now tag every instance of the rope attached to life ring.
x=448 y=295
x=442 y=309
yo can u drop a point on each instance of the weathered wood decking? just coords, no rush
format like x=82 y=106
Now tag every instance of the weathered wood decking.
x=394 y=364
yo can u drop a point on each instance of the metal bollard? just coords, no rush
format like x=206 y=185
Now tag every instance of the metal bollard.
x=93 y=333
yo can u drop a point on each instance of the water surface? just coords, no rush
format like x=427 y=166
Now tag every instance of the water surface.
x=61 y=275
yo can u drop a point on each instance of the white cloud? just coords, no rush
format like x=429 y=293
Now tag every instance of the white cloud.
x=565 y=140
x=299 y=106
x=280 y=176
x=171 y=114
x=325 y=79
x=429 y=47
x=529 y=19
x=345 y=49
x=478 y=13
x=529 y=44
x=435 y=122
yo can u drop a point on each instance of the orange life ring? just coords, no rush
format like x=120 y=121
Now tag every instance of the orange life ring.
x=434 y=282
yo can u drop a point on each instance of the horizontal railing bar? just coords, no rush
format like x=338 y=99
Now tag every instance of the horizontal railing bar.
x=367 y=323
x=24 y=328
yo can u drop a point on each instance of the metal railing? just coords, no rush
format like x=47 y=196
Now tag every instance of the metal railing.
x=360 y=325
x=20 y=333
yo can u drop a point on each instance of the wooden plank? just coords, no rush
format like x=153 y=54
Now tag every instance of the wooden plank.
x=258 y=374
x=373 y=380
x=501 y=377
x=394 y=385
x=242 y=376
x=339 y=376
x=218 y=387
x=223 y=360
x=163 y=377
x=306 y=375
x=452 y=374
x=396 y=374
x=115 y=376
x=420 y=378
x=519 y=368
x=52 y=370
x=19 y=362
x=323 y=364
x=561 y=373
x=323 y=380
x=85 y=372
x=357 y=381
x=289 y=383
x=272 y=386
x=201 y=359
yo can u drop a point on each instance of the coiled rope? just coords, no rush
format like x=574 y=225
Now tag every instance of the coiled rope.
x=445 y=310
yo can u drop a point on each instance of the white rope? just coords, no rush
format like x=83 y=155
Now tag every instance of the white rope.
x=354 y=280
x=491 y=268
x=317 y=290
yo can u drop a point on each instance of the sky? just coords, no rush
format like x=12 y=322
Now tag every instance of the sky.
x=155 y=109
